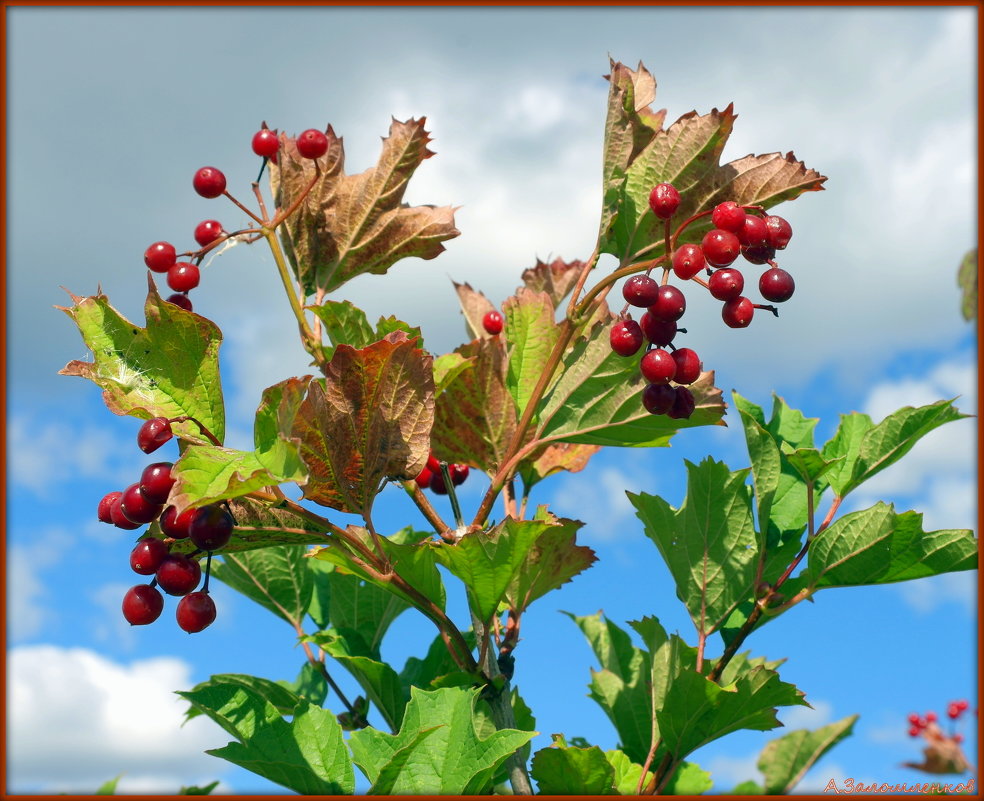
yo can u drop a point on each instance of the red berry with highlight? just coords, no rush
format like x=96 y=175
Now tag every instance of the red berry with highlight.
x=780 y=231
x=209 y=182
x=178 y=574
x=195 y=612
x=492 y=322
x=175 y=525
x=119 y=519
x=459 y=472
x=776 y=285
x=664 y=201
x=659 y=332
x=266 y=143
x=207 y=231
x=641 y=291
x=688 y=260
x=142 y=605
x=726 y=284
x=754 y=232
x=160 y=256
x=658 y=366
x=720 y=247
x=625 y=337
x=183 y=276
x=438 y=485
x=137 y=508
x=658 y=398
x=104 y=512
x=669 y=306
x=147 y=555
x=688 y=366
x=156 y=482
x=738 y=313
x=728 y=216
x=312 y=144
x=758 y=254
x=154 y=433
x=423 y=478
x=211 y=528
x=914 y=731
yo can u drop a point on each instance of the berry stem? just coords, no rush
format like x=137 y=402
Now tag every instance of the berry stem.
x=283 y=214
x=452 y=496
x=682 y=226
x=208 y=571
x=319 y=665
x=243 y=208
x=259 y=195
x=426 y=508
x=588 y=267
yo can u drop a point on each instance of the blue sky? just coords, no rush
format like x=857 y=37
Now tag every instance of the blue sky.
x=109 y=113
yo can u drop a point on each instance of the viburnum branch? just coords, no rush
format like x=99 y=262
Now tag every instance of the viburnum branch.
x=426 y=508
x=319 y=665
x=245 y=209
x=283 y=214
x=581 y=279
x=259 y=195
x=611 y=279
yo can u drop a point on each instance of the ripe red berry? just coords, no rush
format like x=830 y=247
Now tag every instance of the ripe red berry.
x=195 y=612
x=658 y=366
x=438 y=485
x=683 y=404
x=776 y=285
x=688 y=260
x=726 y=284
x=930 y=717
x=160 y=256
x=670 y=304
x=780 y=231
x=963 y=703
x=154 y=433
x=728 y=216
x=658 y=398
x=659 y=332
x=156 y=482
x=183 y=276
x=737 y=313
x=953 y=711
x=175 y=525
x=914 y=719
x=178 y=574
x=119 y=519
x=753 y=232
x=137 y=508
x=147 y=555
x=641 y=291
x=207 y=231
x=209 y=182
x=687 y=366
x=142 y=605
x=180 y=300
x=758 y=254
x=266 y=143
x=664 y=200
x=211 y=528
x=492 y=322
x=312 y=144
x=914 y=731
x=104 y=512
x=459 y=472
x=423 y=478
x=720 y=247
x=625 y=337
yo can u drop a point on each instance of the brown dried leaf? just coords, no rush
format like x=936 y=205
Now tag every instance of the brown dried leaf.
x=554 y=458
x=943 y=755
x=556 y=278
x=474 y=306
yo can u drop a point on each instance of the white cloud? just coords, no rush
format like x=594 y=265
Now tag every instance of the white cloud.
x=727 y=772
x=27 y=612
x=803 y=717
x=598 y=499
x=926 y=595
x=76 y=719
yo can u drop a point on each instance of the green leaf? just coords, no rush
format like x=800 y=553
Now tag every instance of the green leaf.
x=319 y=609
x=437 y=662
x=278 y=579
x=452 y=760
x=239 y=703
x=689 y=779
x=709 y=543
x=748 y=788
x=168 y=369
x=193 y=790
x=967 y=277
x=446 y=369
x=390 y=772
x=344 y=323
x=845 y=445
x=109 y=787
x=310 y=685
x=786 y=760
x=554 y=458
x=531 y=334
x=361 y=606
x=573 y=771
x=808 y=463
x=763 y=452
x=307 y=755
x=627 y=773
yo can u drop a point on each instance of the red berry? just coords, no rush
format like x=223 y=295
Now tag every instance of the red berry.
x=728 y=216
x=147 y=556
x=178 y=574
x=137 y=508
x=160 y=256
x=104 y=512
x=209 y=182
x=266 y=143
x=154 y=433
x=156 y=482
x=664 y=200
x=953 y=711
x=669 y=306
x=914 y=719
x=658 y=332
x=726 y=284
x=119 y=519
x=312 y=144
x=183 y=276
x=720 y=247
x=211 y=528
x=658 y=398
x=683 y=404
x=753 y=232
x=142 y=605
x=931 y=717
x=688 y=260
x=776 y=285
x=626 y=337
x=780 y=231
x=423 y=479
x=737 y=313
x=180 y=300
x=438 y=485
x=195 y=612
x=459 y=472
x=658 y=366
x=758 y=254
x=207 y=231
x=914 y=731
x=641 y=291
x=687 y=366
x=175 y=525
x=492 y=322
x=963 y=704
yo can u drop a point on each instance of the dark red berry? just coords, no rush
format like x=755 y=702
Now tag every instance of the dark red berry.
x=914 y=731
x=720 y=247
x=175 y=525
x=963 y=703
x=758 y=254
x=930 y=717
x=688 y=260
x=104 y=512
x=154 y=433
x=438 y=485
x=669 y=306
x=683 y=404
x=211 y=528
x=753 y=232
x=664 y=200
x=433 y=463
x=726 y=284
x=142 y=605
x=423 y=478
x=209 y=182
x=180 y=300
x=266 y=143
x=914 y=719
x=728 y=216
x=459 y=472
x=207 y=231
x=178 y=574
x=780 y=231
x=147 y=555
x=658 y=366
x=195 y=612
x=687 y=366
x=641 y=291
x=137 y=508
x=156 y=482
x=625 y=337
x=492 y=322
x=658 y=398
x=953 y=711
x=312 y=144
x=119 y=519
x=659 y=332
x=776 y=285
x=737 y=313
x=183 y=276
x=160 y=256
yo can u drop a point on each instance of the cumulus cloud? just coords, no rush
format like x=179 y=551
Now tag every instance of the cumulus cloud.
x=27 y=613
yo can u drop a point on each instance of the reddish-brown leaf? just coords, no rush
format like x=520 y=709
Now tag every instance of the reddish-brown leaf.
x=556 y=278
x=474 y=306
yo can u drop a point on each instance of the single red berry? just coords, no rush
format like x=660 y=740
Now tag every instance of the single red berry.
x=664 y=200
x=195 y=612
x=953 y=711
x=178 y=574
x=160 y=256
x=914 y=719
x=207 y=231
x=683 y=404
x=753 y=232
x=737 y=313
x=180 y=300
x=312 y=144
x=930 y=717
x=726 y=283
x=266 y=143
x=154 y=433
x=104 y=512
x=459 y=472
x=720 y=247
x=688 y=260
x=147 y=555
x=657 y=366
x=211 y=528
x=175 y=525
x=963 y=703
x=209 y=182
x=142 y=605
x=641 y=291
x=137 y=508
x=659 y=332
x=119 y=519
x=780 y=231
x=423 y=479
x=438 y=485
x=433 y=463
x=156 y=482
x=758 y=254
x=670 y=304
x=728 y=216
x=687 y=366
x=625 y=337
x=492 y=322
x=776 y=285
x=914 y=731
x=658 y=398
x=183 y=276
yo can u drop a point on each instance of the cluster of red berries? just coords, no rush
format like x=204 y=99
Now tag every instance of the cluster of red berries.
x=208 y=527
x=920 y=723
x=738 y=231
x=210 y=182
x=432 y=476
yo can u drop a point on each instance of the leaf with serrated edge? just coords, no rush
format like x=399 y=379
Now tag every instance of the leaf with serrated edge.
x=474 y=307
x=239 y=703
x=573 y=771
x=557 y=278
x=278 y=579
x=808 y=463
x=627 y=772
x=363 y=607
x=554 y=458
x=845 y=443
x=784 y=761
x=531 y=334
